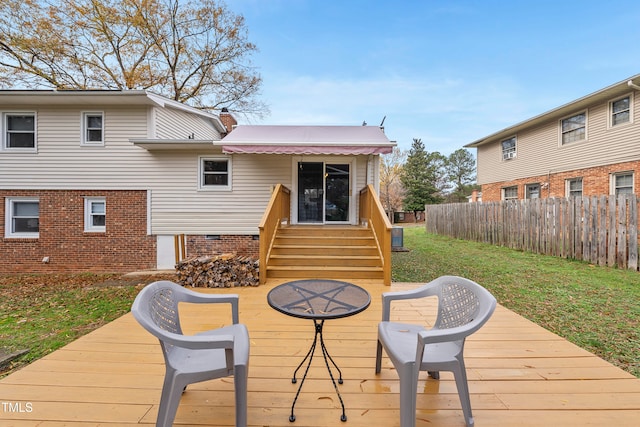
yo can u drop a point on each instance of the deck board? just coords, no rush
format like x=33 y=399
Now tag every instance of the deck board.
x=519 y=374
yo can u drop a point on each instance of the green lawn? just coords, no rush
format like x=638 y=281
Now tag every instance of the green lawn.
x=597 y=308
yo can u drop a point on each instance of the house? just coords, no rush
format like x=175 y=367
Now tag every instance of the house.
x=129 y=180
x=587 y=147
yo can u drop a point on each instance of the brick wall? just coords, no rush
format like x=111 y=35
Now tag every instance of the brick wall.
x=595 y=181
x=124 y=247
x=239 y=244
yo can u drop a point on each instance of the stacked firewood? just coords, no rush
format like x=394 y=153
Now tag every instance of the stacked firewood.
x=218 y=271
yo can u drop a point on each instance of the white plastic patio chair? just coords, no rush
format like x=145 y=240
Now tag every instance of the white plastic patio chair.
x=193 y=358
x=463 y=307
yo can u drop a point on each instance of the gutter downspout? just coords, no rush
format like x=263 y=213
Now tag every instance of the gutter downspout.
x=633 y=85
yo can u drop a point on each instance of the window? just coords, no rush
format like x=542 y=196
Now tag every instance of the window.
x=622 y=183
x=95 y=219
x=20 y=131
x=92 y=129
x=22 y=217
x=215 y=173
x=509 y=148
x=532 y=191
x=620 y=111
x=574 y=187
x=510 y=193
x=574 y=128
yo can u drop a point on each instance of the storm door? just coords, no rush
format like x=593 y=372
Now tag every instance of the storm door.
x=323 y=192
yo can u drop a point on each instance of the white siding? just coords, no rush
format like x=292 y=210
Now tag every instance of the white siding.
x=175 y=124
x=539 y=151
x=178 y=206
x=61 y=162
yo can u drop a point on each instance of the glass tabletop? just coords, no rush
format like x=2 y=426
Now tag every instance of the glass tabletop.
x=319 y=299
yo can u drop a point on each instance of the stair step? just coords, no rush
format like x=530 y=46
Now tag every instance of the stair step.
x=302 y=261
x=333 y=252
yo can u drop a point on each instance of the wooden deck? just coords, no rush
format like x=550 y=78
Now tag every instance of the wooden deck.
x=519 y=374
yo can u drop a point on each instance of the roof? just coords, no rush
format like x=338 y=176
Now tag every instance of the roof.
x=603 y=95
x=274 y=139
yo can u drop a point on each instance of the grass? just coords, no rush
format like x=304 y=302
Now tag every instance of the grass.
x=41 y=313
x=596 y=308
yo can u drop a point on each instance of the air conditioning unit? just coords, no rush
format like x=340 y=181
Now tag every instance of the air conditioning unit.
x=509 y=155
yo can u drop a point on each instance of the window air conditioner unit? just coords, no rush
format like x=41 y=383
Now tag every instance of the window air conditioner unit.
x=509 y=155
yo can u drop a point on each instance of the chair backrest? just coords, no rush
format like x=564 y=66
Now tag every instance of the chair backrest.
x=156 y=309
x=462 y=301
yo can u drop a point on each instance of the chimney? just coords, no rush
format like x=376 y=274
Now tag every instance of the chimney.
x=227 y=119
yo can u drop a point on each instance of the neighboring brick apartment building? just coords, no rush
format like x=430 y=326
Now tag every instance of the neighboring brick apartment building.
x=590 y=146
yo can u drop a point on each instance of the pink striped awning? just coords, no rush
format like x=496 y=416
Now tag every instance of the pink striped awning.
x=304 y=149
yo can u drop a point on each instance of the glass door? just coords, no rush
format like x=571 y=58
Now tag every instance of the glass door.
x=310 y=192
x=323 y=192
x=337 y=193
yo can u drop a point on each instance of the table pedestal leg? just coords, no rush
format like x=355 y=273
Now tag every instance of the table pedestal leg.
x=327 y=357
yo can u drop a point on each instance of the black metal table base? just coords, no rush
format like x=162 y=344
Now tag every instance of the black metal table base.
x=327 y=358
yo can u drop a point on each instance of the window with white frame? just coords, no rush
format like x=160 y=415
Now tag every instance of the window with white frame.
x=532 y=191
x=22 y=217
x=215 y=173
x=95 y=214
x=574 y=128
x=573 y=187
x=620 y=111
x=19 y=131
x=622 y=183
x=92 y=128
x=509 y=148
x=510 y=193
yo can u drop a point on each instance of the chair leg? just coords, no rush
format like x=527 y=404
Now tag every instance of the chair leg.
x=408 y=389
x=460 y=375
x=169 y=400
x=240 y=376
x=379 y=358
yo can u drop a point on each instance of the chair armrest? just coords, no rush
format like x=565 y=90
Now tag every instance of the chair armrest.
x=191 y=296
x=198 y=342
x=388 y=297
x=431 y=336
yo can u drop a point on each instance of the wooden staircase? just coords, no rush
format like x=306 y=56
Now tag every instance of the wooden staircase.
x=324 y=251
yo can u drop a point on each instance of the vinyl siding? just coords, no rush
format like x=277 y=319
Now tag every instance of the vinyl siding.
x=539 y=151
x=175 y=124
x=61 y=162
x=179 y=207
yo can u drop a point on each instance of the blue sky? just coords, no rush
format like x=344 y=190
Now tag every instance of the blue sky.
x=448 y=72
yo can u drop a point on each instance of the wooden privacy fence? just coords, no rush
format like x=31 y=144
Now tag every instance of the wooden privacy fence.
x=602 y=230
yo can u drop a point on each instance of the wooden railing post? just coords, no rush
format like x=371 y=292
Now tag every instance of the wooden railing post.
x=278 y=211
x=372 y=213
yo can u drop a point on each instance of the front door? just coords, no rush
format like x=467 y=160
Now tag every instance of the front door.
x=323 y=192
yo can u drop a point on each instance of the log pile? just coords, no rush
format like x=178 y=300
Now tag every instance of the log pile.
x=218 y=271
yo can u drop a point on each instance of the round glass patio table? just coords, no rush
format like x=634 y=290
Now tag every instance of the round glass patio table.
x=318 y=300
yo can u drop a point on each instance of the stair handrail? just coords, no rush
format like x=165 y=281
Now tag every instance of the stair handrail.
x=372 y=215
x=278 y=211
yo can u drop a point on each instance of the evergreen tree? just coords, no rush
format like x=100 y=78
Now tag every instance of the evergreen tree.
x=460 y=169
x=420 y=176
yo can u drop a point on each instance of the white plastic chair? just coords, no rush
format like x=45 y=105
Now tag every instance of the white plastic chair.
x=193 y=358
x=463 y=307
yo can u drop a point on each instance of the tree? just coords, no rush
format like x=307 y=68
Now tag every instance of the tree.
x=460 y=168
x=391 y=190
x=420 y=176
x=195 y=52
